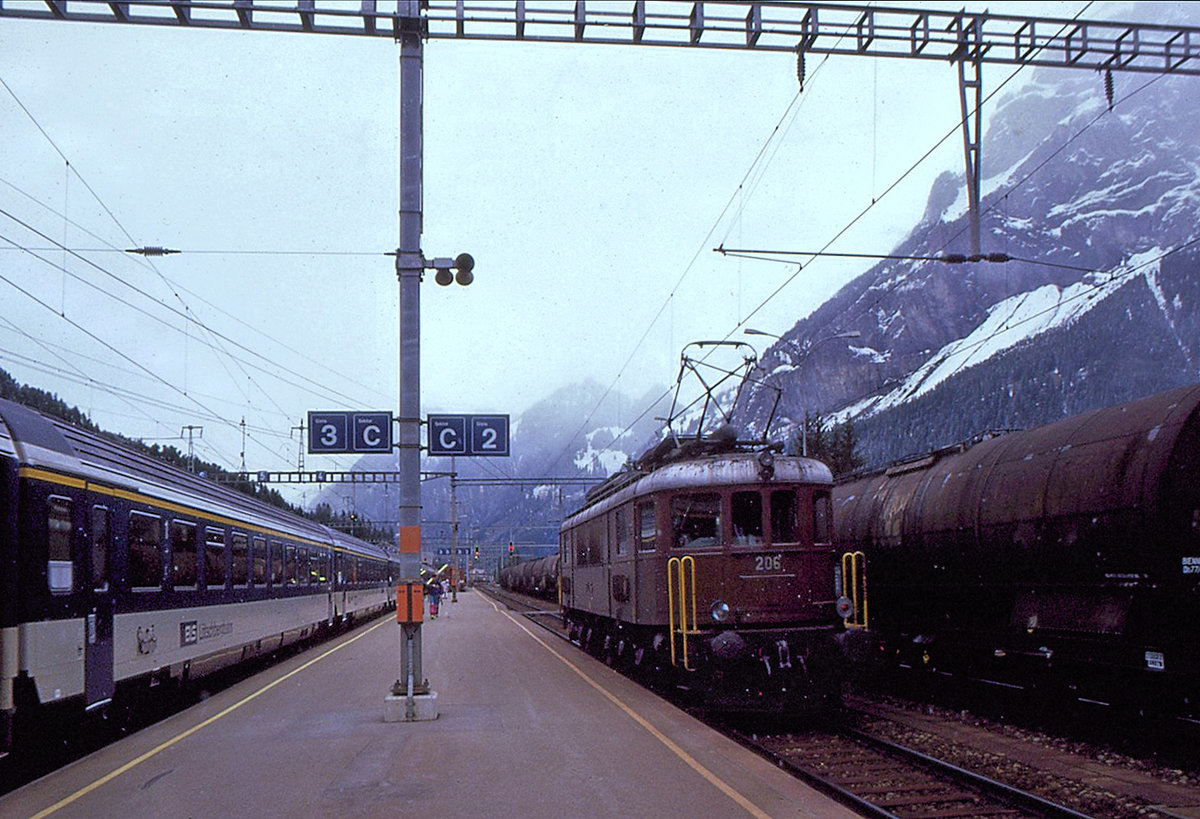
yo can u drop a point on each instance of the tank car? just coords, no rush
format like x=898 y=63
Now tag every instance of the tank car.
x=119 y=573
x=536 y=578
x=711 y=564
x=1065 y=558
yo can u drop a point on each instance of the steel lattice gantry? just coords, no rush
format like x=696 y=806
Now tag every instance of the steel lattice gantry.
x=966 y=39
x=817 y=28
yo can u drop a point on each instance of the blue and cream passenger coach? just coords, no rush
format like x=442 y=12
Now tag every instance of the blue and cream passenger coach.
x=119 y=572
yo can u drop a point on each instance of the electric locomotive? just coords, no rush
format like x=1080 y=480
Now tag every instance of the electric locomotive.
x=710 y=562
x=120 y=573
x=1064 y=559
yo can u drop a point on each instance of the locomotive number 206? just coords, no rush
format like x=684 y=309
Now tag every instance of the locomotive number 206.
x=768 y=563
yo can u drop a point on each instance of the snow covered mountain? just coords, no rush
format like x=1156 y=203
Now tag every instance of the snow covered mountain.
x=1098 y=212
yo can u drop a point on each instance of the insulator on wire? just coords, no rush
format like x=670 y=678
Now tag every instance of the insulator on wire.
x=800 y=67
x=1108 y=87
x=151 y=250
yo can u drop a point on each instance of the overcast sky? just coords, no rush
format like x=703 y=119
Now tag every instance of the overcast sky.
x=589 y=182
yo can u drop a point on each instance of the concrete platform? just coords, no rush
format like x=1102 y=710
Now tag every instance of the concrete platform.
x=527 y=726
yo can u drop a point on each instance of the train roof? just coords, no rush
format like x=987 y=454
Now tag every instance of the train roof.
x=729 y=467
x=1162 y=417
x=42 y=442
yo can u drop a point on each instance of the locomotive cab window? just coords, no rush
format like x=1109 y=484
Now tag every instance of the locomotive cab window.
x=60 y=571
x=784 y=517
x=746 y=515
x=822 y=518
x=696 y=520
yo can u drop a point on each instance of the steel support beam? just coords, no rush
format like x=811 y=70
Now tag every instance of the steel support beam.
x=410 y=268
x=970 y=92
x=733 y=24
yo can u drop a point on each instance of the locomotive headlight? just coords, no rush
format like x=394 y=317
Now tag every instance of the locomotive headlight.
x=721 y=611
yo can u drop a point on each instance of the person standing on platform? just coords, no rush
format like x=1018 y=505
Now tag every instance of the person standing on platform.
x=435 y=596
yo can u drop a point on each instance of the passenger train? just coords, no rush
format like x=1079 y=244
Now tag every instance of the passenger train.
x=119 y=572
x=1063 y=559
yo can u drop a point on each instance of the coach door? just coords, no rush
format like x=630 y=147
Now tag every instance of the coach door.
x=98 y=654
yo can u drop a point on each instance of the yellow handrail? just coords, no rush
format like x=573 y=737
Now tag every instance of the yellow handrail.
x=854 y=586
x=678 y=566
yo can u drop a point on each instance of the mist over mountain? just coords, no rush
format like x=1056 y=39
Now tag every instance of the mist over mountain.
x=1098 y=211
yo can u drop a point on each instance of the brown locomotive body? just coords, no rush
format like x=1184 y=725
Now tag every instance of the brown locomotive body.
x=711 y=565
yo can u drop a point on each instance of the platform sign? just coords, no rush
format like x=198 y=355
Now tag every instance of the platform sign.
x=448 y=434
x=372 y=432
x=469 y=435
x=489 y=434
x=337 y=432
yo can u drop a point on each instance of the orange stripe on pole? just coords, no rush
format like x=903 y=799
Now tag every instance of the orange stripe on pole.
x=410 y=540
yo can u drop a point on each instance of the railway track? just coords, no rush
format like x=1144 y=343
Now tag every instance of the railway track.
x=882 y=779
x=873 y=776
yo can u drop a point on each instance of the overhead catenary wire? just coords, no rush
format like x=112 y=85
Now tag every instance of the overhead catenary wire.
x=749 y=182
x=311 y=383
x=945 y=258
x=875 y=201
x=187 y=314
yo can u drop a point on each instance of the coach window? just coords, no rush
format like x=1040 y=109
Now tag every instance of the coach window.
x=784 y=517
x=624 y=524
x=214 y=558
x=647 y=527
x=822 y=518
x=183 y=554
x=276 y=550
x=258 y=561
x=746 y=514
x=60 y=571
x=696 y=520
x=289 y=564
x=101 y=539
x=239 y=559
x=302 y=571
x=145 y=552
